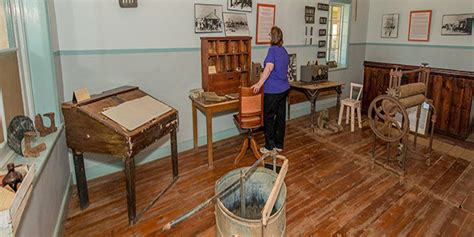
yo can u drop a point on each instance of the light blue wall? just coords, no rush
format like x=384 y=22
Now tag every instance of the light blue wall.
x=40 y=56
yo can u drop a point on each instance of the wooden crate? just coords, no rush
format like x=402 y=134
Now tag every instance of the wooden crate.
x=10 y=218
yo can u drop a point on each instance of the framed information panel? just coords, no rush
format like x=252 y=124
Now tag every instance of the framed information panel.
x=265 y=22
x=419 y=26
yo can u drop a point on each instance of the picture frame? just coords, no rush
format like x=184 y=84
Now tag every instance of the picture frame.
x=265 y=21
x=389 y=25
x=323 y=20
x=321 y=54
x=311 y=31
x=457 y=24
x=419 y=25
x=309 y=14
x=322 y=44
x=239 y=5
x=322 y=32
x=323 y=7
x=208 y=18
x=236 y=24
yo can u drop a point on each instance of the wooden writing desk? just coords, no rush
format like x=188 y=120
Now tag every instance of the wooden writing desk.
x=209 y=108
x=312 y=90
x=88 y=130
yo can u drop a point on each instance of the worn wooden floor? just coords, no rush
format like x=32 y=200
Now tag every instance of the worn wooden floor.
x=332 y=190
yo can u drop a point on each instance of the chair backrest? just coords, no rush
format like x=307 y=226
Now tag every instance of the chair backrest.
x=251 y=105
x=356 y=85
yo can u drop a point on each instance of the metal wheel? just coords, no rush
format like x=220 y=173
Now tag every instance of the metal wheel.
x=381 y=114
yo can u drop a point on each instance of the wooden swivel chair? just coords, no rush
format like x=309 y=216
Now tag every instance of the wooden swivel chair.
x=250 y=117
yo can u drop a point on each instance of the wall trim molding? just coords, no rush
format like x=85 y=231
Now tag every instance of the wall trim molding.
x=153 y=50
x=422 y=45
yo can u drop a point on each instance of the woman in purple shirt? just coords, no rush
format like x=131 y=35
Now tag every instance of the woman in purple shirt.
x=276 y=87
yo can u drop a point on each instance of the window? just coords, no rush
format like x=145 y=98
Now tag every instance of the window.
x=338 y=37
x=3 y=25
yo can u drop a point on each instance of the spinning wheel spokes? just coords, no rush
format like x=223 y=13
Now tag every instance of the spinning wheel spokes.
x=383 y=109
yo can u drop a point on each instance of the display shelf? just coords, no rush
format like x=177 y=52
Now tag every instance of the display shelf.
x=225 y=62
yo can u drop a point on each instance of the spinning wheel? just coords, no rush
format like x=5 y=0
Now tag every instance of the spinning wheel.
x=382 y=112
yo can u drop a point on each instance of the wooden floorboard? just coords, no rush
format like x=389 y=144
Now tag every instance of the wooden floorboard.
x=333 y=189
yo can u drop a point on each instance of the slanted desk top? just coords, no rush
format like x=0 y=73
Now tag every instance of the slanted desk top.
x=89 y=130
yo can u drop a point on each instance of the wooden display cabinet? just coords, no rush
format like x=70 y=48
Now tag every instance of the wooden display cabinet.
x=225 y=63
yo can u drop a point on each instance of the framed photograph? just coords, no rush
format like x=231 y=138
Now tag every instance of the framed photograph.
x=239 y=5
x=321 y=54
x=292 y=67
x=311 y=31
x=309 y=14
x=235 y=24
x=419 y=26
x=323 y=20
x=208 y=18
x=322 y=43
x=322 y=32
x=323 y=7
x=457 y=24
x=265 y=22
x=389 y=26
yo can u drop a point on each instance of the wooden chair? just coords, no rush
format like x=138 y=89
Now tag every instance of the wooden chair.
x=250 y=117
x=353 y=106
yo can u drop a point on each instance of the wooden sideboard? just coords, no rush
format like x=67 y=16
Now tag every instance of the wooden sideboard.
x=450 y=90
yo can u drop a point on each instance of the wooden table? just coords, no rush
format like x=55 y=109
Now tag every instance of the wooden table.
x=312 y=90
x=209 y=108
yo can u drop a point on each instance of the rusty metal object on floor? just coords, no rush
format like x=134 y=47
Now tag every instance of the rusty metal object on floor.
x=44 y=131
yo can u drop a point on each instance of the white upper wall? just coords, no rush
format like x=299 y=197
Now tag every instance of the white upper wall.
x=101 y=24
x=403 y=7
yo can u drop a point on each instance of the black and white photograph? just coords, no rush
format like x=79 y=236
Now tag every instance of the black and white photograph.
x=292 y=67
x=323 y=20
x=322 y=43
x=323 y=7
x=311 y=31
x=309 y=14
x=322 y=32
x=236 y=24
x=208 y=18
x=390 y=26
x=458 y=24
x=239 y=5
x=321 y=54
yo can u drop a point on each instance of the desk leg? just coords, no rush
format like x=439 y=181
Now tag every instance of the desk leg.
x=195 y=128
x=129 y=164
x=81 y=179
x=210 y=157
x=313 y=110
x=338 y=101
x=174 y=153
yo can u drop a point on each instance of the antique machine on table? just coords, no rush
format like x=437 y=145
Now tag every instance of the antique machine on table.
x=314 y=73
x=120 y=122
x=383 y=112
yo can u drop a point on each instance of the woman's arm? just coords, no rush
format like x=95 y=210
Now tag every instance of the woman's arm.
x=265 y=74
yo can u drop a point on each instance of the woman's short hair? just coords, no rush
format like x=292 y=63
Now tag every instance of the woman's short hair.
x=276 y=36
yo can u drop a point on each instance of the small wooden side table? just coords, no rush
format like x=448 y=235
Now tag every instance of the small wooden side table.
x=209 y=108
x=312 y=90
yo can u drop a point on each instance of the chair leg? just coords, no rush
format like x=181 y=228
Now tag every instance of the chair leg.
x=359 y=117
x=241 y=154
x=348 y=112
x=341 y=112
x=254 y=147
x=352 y=118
